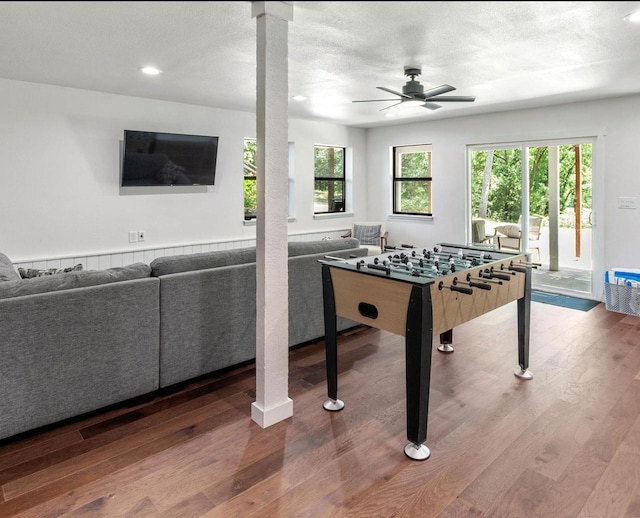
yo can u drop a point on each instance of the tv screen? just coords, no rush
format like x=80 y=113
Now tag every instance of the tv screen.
x=152 y=158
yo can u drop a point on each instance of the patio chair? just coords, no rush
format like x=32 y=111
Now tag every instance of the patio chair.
x=479 y=234
x=510 y=236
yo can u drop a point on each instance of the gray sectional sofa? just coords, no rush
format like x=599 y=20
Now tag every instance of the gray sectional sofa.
x=79 y=341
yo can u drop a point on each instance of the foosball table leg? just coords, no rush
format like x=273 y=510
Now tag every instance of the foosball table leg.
x=332 y=404
x=417 y=452
x=524 y=374
x=446 y=339
x=418 y=344
x=524 y=327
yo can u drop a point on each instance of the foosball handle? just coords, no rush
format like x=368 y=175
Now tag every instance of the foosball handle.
x=467 y=291
x=481 y=285
x=502 y=276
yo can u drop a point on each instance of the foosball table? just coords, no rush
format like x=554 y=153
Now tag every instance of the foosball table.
x=420 y=293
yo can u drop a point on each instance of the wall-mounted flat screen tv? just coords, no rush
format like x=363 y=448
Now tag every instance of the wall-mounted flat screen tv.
x=152 y=158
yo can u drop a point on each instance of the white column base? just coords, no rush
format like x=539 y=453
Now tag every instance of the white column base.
x=267 y=417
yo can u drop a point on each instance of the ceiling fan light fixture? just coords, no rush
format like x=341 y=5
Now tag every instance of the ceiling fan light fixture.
x=150 y=71
x=633 y=17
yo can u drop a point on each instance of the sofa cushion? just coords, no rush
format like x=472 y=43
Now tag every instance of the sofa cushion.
x=367 y=234
x=202 y=261
x=7 y=271
x=79 y=279
x=297 y=248
x=30 y=273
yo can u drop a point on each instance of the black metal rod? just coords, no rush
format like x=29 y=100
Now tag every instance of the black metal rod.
x=330 y=333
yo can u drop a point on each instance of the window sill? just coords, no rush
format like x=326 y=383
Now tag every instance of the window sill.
x=330 y=215
x=410 y=216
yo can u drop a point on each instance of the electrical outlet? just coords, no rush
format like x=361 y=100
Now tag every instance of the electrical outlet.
x=140 y=235
x=133 y=236
x=626 y=203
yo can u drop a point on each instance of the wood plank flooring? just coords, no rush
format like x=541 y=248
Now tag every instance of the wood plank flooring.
x=565 y=444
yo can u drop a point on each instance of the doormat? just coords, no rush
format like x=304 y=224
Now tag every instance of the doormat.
x=564 y=301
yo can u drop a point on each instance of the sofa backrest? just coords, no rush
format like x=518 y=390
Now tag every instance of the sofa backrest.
x=202 y=261
x=321 y=247
x=215 y=259
x=70 y=280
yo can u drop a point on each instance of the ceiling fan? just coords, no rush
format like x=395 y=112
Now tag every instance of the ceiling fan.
x=413 y=91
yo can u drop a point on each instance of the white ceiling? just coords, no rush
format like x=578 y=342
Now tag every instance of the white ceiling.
x=506 y=54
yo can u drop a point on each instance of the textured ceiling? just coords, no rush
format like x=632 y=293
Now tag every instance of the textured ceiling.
x=506 y=54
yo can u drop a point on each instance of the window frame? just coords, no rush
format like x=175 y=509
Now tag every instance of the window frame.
x=398 y=181
x=251 y=219
x=341 y=209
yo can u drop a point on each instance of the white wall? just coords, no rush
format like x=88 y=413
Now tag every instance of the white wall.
x=59 y=163
x=60 y=166
x=616 y=171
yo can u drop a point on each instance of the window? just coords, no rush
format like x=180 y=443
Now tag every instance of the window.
x=250 y=188
x=329 y=179
x=412 y=180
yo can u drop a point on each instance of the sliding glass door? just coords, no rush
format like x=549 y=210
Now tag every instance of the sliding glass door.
x=537 y=199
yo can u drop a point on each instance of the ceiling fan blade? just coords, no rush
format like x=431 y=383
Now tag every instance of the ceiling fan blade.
x=393 y=92
x=431 y=106
x=373 y=100
x=390 y=106
x=438 y=90
x=454 y=99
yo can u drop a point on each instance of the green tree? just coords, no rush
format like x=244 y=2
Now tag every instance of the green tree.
x=504 y=192
x=250 y=188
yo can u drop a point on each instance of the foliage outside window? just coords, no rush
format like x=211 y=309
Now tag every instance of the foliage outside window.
x=496 y=183
x=250 y=189
x=329 y=179
x=412 y=180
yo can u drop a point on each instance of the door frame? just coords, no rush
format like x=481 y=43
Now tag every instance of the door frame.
x=597 y=192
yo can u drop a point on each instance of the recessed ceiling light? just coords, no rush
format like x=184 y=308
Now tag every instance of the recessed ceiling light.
x=299 y=98
x=633 y=17
x=150 y=71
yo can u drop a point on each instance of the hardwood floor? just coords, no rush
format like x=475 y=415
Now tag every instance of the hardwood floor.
x=565 y=444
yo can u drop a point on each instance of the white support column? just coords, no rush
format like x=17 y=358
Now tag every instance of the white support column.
x=524 y=210
x=272 y=297
x=554 y=208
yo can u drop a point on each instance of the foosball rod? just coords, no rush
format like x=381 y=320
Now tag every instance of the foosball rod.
x=457 y=259
x=469 y=278
x=471 y=284
x=388 y=268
